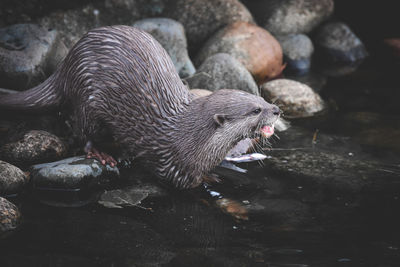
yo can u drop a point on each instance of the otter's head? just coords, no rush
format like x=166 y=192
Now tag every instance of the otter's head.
x=211 y=126
x=239 y=115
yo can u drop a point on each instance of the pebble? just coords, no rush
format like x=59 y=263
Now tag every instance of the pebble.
x=253 y=46
x=12 y=179
x=297 y=100
x=171 y=35
x=35 y=146
x=338 y=49
x=285 y=17
x=10 y=217
x=297 y=51
x=202 y=18
x=222 y=71
x=73 y=173
x=29 y=53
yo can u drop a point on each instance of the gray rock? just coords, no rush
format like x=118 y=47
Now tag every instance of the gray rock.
x=223 y=71
x=73 y=173
x=201 y=18
x=36 y=146
x=338 y=172
x=319 y=163
x=10 y=217
x=171 y=35
x=290 y=16
x=72 y=24
x=12 y=179
x=297 y=50
x=28 y=54
x=338 y=48
x=130 y=196
x=295 y=99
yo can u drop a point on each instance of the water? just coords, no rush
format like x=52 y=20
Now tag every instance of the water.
x=292 y=220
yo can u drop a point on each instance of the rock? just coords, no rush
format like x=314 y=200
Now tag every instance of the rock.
x=36 y=146
x=72 y=24
x=200 y=92
x=73 y=173
x=12 y=179
x=130 y=196
x=323 y=169
x=202 y=18
x=221 y=71
x=28 y=54
x=290 y=16
x=171 y=35
x=10 y=217
x=295 y=99
x=297 y=51
x=325 y=166
x=253 y=46
x=338 y=49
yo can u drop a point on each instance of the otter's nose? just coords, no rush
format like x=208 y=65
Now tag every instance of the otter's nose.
x=275 y=110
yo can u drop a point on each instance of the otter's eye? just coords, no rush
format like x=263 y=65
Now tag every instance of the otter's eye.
x=256 y=111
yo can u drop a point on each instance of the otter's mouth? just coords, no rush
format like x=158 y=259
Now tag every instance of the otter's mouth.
x=267 y=130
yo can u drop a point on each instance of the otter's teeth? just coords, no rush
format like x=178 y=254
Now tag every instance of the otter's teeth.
x=267 y=131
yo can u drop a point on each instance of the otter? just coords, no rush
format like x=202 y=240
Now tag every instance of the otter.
x=121 y=78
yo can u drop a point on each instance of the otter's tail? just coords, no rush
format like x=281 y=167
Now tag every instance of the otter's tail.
x=39 y=99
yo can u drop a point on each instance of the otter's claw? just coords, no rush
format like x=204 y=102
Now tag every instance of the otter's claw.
x=104 y=158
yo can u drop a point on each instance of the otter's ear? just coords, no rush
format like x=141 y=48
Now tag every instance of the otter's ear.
x=220 y=119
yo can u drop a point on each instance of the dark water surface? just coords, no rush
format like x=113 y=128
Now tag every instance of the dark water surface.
x=292 y=221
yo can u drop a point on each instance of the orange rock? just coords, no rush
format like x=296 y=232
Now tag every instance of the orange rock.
x=253 y=46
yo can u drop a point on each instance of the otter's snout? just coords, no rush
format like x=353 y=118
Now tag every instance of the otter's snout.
x=273 y=111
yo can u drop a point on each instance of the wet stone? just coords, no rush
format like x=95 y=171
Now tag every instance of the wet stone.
x=251 y=45
x=10 y=217
x=284 y=17
x=35 y=146
x=297 y=51
x=221 y=71
x=334 y=171
x=130 y=196
x=296 y=99
x=73 y=173
x=171 y=35
x=28 y=54
x=202 y=18
x=337 y=45
x=71 y=24
x=12 y=179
